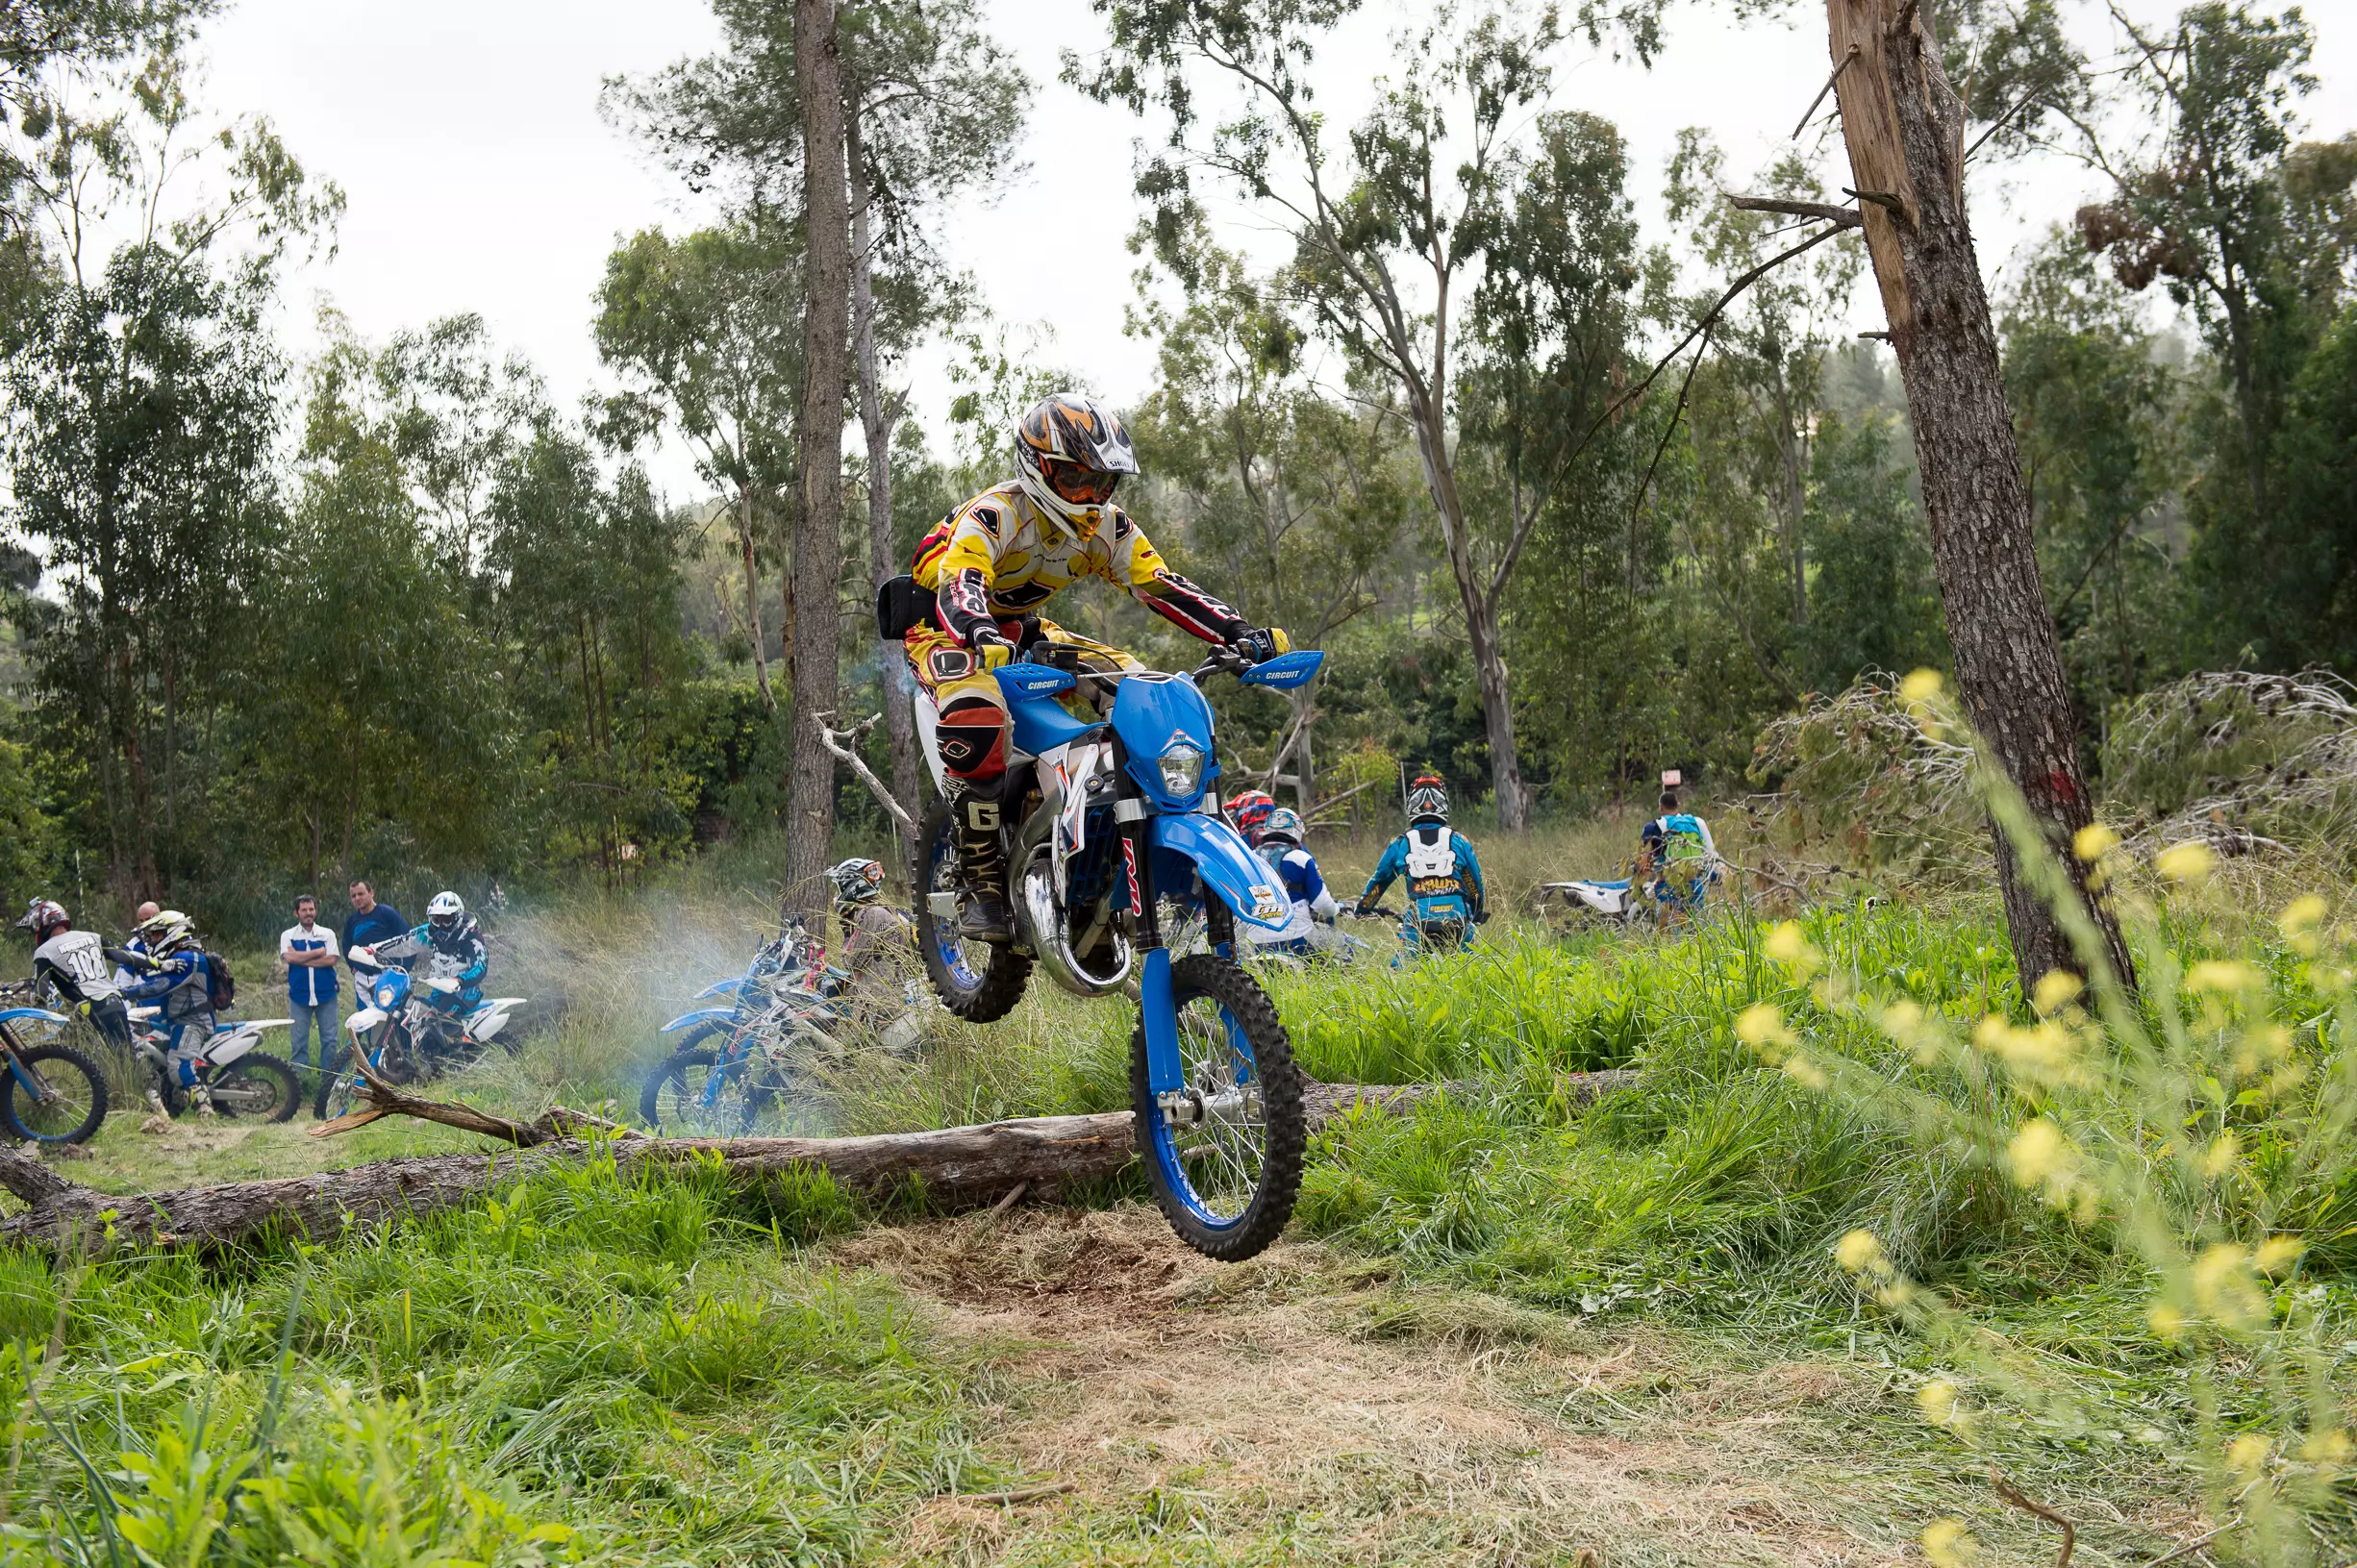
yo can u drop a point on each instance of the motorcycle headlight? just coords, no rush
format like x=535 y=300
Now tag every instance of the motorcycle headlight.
x=1182 y=769
x=384 y=995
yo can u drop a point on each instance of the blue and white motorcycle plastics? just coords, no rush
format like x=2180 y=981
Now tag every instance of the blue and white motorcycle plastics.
x=1127 y=816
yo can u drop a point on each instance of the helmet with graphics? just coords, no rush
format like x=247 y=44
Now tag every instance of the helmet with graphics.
x=166 y=933
x=1249 y=811
x=1283 y=826
x=1070 y=451
x=42 y=917
x=1427 y=800
x=856 y=881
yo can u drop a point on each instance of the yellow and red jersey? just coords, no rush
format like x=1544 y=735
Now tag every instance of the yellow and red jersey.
x=997 y=558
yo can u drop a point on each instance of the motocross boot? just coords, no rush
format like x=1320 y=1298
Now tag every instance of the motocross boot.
x=984 y=915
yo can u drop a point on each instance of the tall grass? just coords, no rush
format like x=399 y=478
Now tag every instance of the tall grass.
x=589 y=1367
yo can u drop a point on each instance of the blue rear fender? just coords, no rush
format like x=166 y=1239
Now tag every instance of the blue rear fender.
x=701 y=1016
x=1218 y=853
x=12 y=1014
x=722 y=987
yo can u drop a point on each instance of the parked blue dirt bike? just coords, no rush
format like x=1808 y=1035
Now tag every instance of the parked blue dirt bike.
x=1100 y=822
x=731 y=1062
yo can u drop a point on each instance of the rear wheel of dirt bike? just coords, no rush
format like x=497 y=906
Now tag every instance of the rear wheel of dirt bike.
x=673 y=1098
x=255 y=1085
x=1225 y=1174
x=977 y=981
x=66 y=1102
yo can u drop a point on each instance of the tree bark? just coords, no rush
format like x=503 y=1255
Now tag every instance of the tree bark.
x=1904 y=127
x=960 y=1167
x=752 y=592
x=876 y=420
x=817 y=567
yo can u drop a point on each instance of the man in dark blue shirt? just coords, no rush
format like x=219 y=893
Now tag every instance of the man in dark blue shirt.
x=370 y=921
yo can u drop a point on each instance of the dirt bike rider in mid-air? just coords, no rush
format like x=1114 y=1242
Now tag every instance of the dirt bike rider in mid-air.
x=1445 y=898
x=454 y=957
x=989 y=565
x=182 y=980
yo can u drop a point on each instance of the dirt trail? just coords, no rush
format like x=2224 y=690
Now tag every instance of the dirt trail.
x=1300 y=1410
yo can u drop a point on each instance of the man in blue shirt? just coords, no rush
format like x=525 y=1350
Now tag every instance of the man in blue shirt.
x=370 y=921
x=310 y=952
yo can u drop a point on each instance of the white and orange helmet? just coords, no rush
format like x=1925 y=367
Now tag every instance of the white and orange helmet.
x=1070 y=451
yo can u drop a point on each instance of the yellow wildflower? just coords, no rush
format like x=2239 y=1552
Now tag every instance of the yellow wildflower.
x=1790 y=946
x=2056 y=989
x=2188 y=862
x=1858 y=1251
x=1761 y=1023
x=2248 y=1452
x=2277 y=1254
x=2219 y=1157
x=1949 y=1544
x=1936 y=1399
x=2094 y=841
x=2165 y=1320
x=1922 y=685
x=2331 y=1446
x=2223 y=975
x=1804 y=1072
x=2305 y=912
x=2041 y=1157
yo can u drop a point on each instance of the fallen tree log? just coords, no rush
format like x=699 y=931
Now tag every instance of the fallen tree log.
x=960 y=1167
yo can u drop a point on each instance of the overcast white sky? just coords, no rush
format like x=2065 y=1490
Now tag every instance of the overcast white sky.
x=465 y=134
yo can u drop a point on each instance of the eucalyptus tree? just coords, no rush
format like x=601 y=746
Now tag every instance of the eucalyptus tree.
x=1389 y=235
x=706 y=332
x=142 y=386
x=1294 y=490
x=933 y=106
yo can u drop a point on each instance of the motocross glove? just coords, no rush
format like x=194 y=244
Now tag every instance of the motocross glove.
x=992 y=649
x=1262 y=644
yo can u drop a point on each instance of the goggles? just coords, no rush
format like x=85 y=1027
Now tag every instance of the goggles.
x=1082 y=486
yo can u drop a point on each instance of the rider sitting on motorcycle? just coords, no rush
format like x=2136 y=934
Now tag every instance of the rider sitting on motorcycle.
x=878 y=939
x=182 y=980
x=80 y=969
x=990 y=565
x=451 y=951
x=1445 y=899
x=1308 y=928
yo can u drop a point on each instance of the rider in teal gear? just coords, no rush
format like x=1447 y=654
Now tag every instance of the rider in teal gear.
x=1445 y=898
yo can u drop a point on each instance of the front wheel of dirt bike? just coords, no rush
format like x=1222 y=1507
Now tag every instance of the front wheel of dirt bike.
x=1226 y=1166
x=69 y=1103
x=256 y=1085
x=977 y=981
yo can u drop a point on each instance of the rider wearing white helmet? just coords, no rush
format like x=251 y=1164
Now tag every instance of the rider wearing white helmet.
x=1282 y=844
x=455 y=951
x=990 y=565
x=182 y=980
x=877 y=939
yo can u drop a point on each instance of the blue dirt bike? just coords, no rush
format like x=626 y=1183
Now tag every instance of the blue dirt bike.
x=1100 y=822
x=731 y=1062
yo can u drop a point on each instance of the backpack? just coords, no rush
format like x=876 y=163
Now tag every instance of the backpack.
x=1685 y=860
x=224 y=993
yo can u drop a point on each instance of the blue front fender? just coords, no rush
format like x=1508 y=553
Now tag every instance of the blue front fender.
x=1227 y=865
x=701 y=1016
x=12 y=1014
x=722 y=987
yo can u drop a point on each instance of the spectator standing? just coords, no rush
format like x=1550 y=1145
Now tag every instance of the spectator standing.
x=370 y=921
x=310 y=950
x=134 y=944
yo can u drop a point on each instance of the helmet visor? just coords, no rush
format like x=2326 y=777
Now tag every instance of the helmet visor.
x=1082 y=486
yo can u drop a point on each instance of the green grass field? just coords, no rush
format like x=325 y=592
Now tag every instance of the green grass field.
x=1872 y=1227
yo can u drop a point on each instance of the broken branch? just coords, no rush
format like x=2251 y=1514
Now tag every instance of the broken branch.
x=1846 y=217
x=1821 y=91
x=2029 y=1505
x=838 y=742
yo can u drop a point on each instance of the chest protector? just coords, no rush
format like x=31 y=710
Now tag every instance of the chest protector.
x=1432 y=852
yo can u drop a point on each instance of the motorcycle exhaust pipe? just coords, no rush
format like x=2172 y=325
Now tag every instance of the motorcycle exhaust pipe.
x=1045 y=933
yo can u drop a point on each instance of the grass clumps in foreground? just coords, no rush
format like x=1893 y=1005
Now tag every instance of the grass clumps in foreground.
x=592 y=1367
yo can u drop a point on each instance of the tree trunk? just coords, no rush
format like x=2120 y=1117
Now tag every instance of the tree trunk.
x=958 y=1167
x=876 y=420
x=818 y=546
x=1481 y=627
x=1904 y=127
x=752 y=590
